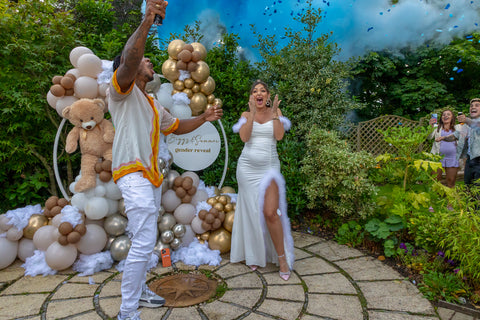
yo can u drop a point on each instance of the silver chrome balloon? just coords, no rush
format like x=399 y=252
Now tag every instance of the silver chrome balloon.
x=121 y=208
x=176 y=243
x=161 y=211
x=109 y=242
x=179 y=230
x=161 y=163
x=159 y=246
x=167 y=236
x=120 y=247
x=167 y=222
x=115 y=224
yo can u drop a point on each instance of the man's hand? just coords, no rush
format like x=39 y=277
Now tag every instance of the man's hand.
x=154 y=7
x=213 y=113
x=462 y=118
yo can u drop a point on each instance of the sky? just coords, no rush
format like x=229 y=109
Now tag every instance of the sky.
x=358 y=26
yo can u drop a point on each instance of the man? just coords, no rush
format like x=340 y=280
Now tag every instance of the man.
x=469 y=142
x=138 y=121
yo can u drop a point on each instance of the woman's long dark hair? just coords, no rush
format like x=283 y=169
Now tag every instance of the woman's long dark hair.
x=452 y=121
x=257 y=82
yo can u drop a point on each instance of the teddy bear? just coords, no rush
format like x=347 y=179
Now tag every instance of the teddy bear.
x=95 y=135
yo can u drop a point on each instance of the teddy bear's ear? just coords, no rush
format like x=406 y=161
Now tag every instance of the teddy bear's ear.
x=66 y=112
x=100 y=103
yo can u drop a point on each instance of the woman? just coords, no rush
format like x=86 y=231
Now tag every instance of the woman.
x=261 y=231
x=450 y=163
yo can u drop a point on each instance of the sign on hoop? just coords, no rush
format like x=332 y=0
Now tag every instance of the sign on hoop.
x=196 y=150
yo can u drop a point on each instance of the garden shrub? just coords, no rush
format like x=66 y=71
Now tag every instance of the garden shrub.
x=336 y=177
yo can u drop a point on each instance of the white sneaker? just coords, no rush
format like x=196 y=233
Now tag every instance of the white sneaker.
x=150 y=299
x=132 y=316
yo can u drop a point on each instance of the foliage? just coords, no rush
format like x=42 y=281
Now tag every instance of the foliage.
x=445 y=286
x=417 y=81
x=311 y=86
x=350 y=233
x=385 y=231
x=336 y=178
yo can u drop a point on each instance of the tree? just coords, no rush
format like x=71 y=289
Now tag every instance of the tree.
x=312 y=87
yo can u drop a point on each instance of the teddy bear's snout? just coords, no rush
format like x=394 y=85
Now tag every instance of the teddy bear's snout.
x=89 y=125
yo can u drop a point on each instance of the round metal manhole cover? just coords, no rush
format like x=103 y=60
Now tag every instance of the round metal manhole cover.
x=183 y=290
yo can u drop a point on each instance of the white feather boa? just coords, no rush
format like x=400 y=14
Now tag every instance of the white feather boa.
x=275 y=175
x=284 y=120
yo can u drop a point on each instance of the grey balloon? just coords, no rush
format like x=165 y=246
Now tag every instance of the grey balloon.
x=167 y=222
x=162 y=163
x=165 y=172
x=179 y=230
x=161 y=211
x=159 y=246
x=120 y=247
x=109 y=242
x=115 y=224
x=170 y=161
x=171 y=177
x=121 y=208
x=167 y=236
x=176 y=243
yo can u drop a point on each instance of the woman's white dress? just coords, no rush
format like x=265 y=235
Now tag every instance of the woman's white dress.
x=257 y=166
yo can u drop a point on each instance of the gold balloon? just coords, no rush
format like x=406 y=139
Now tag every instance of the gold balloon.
x=212 y=201
x=227 y=189
x=175 y=91
x=205 y=235
x=208 y=86
x=228 y=222
x=210 y=98
x=202 y=73
x=170 y=70
x=218 y=102
x=178 y=85
x=229 y=207
x=174 y=48
x=189 y=92
x=218 y=206
x=216 y=191
x=198 y=102
x=223 y=199
x=188 y=83
x=197 y=46
x=35 y=222
x=220 y=239
x=196 y=88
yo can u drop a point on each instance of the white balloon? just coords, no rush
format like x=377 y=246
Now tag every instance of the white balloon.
x=93 y=241
x=199 y=196
x=71 y=187
x=181 y=111
x=112 y=206
x=170 y=201
x=4 y=223
x=96 y=208
x=26 y=248
x=86 y=87
x=13 y=234
x=56 y=220
x=64 y=102
x=112 y=192
x=79 y=200
x=9 y=252
x=197 y=225
x=52 y=100
x=76 y=53
x=188 y=236
x=74 y=72
x=184 y=213
x=97 y=222
x=89 y=193
x=99 y=191
x=102 y=89
x=44 y=237
x=60 y=257
x=89 y=65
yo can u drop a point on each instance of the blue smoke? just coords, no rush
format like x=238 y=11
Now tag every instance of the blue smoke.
x=358 y=26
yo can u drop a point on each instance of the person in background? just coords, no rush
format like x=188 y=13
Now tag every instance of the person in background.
x=469 y=142
x=261 y=231
x=448 y=149
x=138 y=121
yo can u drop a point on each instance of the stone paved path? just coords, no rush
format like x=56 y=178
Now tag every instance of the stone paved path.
x=330 y=281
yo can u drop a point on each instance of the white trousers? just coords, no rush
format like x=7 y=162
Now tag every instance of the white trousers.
x=142 y=203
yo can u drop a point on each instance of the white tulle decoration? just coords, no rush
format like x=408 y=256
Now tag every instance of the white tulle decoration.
x=197 y=254
x=89 y=264
x=36 y=265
